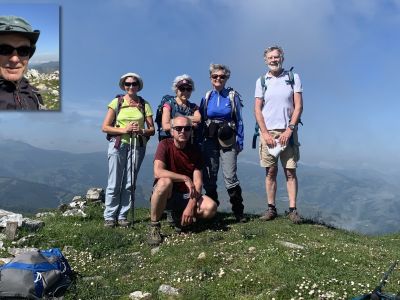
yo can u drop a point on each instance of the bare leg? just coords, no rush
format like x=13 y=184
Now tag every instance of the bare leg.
x=270 y=183
x=162 y=191
x=291 y=184
x=206 y=208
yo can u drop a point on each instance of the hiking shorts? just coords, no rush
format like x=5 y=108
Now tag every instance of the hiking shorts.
x=289 y=157
x=178 y=201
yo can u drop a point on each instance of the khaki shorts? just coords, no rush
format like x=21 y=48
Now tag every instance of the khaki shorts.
x=289 y=157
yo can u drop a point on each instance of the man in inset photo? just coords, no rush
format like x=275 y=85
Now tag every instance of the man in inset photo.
x=17 y=46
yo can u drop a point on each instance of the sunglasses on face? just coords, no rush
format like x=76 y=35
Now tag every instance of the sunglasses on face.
x=185 y=89
x=129 y=84
x=215 y=76
x=180 y=128
x=21 y=51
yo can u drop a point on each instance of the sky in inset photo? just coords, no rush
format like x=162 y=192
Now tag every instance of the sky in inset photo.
x=44 y=17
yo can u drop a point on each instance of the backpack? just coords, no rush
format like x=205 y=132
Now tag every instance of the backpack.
x=290 y=81
x=35 y=274
x=175 y=109
x=141 y=108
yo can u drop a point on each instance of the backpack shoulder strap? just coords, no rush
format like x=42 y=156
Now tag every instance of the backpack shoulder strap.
x=263 y=83
x=118 y=108
x=172 y=103
x=232 y=94
x=291 y=77
x=206 y=98
x=142 y=106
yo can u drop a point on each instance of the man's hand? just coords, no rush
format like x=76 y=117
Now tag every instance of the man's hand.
x=189 y=212
x=285 y=136
x=268 y=139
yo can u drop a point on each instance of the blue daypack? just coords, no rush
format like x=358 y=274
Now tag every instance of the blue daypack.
x=35 y=275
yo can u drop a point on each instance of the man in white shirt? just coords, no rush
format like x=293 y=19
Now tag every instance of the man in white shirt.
x=278 y=107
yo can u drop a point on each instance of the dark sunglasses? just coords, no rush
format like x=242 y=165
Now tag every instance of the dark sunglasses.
x=180 y=128
x=183 y=89
x=21 y=51
x=215 y=76
x=127 y=84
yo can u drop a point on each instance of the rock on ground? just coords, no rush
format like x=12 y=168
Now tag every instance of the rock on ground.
x=138 y=295
x=74 y=212
x=168 y=290
x=94 y=194
x=291 y=245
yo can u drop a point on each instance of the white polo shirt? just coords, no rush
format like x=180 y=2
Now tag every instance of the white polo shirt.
x=278 y=99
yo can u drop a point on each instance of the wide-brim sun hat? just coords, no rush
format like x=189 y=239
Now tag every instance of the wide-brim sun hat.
x=14 y=24
x=226 y=136
x=134 y=75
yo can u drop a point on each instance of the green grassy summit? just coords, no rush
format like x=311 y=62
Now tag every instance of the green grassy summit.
x=223 y=260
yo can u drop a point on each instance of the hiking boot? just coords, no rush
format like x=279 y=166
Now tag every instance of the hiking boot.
x=240 y=218
x=170 y=219
x=124 y=223
x=154 y=236
x=294 y=217
x=109 y=223
x=269 y=215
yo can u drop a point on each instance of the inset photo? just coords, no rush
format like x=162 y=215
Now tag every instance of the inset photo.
x=30 y=57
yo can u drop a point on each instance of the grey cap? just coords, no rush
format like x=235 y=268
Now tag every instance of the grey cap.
x=13 y=24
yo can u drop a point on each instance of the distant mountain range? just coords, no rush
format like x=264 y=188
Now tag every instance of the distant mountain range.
x=359 y=200
x=47 y=67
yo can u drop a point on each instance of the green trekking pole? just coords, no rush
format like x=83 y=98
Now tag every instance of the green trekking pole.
x=133 y=175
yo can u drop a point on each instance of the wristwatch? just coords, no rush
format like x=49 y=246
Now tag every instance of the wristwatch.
x=291 y=127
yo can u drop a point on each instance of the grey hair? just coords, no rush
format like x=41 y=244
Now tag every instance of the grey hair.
x=180 y=78
x=219 y=67
x=272 y=48
x=181 y=116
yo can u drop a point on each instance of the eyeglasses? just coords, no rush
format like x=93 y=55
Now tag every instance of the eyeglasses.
x=129 y=84
x=215 y=76
x=185 y=89
x=21 y=51
x=180 y=128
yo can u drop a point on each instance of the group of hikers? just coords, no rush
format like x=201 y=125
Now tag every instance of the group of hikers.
x=193 y=142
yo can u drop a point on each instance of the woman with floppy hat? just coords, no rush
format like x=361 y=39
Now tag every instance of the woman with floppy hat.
x=172 y=106
x=221 y=113
x=129 y=121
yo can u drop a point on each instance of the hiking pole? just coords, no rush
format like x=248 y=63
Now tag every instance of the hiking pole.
x=377 y=294
x=133 y=175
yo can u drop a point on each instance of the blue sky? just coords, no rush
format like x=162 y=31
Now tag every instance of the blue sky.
x=346 y=53
x=46 y=18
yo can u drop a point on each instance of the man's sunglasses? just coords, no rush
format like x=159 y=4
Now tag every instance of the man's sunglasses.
x=183 y=89
x=180 y=128
x=215 y=76
x=21 y=51
x=128 y=84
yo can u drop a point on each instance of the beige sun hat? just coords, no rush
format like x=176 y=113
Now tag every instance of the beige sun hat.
x=123 y=77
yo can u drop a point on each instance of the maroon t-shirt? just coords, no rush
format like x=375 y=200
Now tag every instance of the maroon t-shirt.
x=182 y=161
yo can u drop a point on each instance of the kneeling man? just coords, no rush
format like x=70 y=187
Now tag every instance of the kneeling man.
x=177 y=172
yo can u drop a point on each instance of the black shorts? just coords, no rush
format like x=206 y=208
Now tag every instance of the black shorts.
x=178 y=201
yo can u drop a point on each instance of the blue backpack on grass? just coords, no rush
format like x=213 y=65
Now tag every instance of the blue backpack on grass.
x=35 y=275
